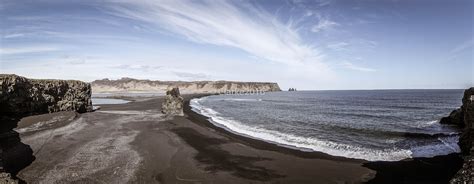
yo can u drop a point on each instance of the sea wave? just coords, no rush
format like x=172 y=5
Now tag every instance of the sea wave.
x=244 y=99
x=403 y=132
x=329 y=147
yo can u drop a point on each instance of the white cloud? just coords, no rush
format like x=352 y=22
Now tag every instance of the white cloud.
x=323 y=24
x=14 y=35
x=191 y=76
x=23 y=50
x=463 y=46
x=224 y=23
x=351 y=66
x=140 y=67
x=459 y=49
x=338 y=46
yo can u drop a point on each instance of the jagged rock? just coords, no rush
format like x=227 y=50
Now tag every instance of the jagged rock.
x=454 y=118
x=466 y=174
x=5 y=178
x=466 y=138
x=173 y=103
x=20 y=97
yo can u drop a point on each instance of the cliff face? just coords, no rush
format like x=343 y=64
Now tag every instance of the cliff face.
x=20 y=97
x=464 y=117
x=134 y=85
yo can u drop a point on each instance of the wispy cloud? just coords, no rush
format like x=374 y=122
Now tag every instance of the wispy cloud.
x=139 y=67
x=338 y=46
x=23 y=50
x=459 y=49
x=223 y=23
x=323 y=24
x=191 y=75
x=463 y=46
x=15 y=35
x=351 y=66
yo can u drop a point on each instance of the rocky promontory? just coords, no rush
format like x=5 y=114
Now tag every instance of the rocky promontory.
x=135 y=85
x=20 y=97
x=464 y=118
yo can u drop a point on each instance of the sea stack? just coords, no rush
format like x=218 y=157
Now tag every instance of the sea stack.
x=173 y=103
x=21 y=97
x=464 y=118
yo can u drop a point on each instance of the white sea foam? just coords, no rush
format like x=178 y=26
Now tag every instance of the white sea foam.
x=332 y=148
x=448 y=145
x=243 y=99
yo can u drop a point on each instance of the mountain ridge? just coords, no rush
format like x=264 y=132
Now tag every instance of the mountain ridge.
x=126 y=84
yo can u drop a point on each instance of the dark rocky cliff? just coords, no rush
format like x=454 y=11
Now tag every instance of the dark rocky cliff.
x=20 y=97
x=464 y=118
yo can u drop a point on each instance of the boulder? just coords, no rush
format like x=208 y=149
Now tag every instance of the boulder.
x=173 y=103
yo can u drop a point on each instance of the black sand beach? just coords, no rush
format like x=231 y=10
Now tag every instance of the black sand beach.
x=134 y=143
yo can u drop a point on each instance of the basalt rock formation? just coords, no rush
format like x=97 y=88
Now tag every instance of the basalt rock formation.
x=20 y=97
x=173 y=103
x=135 y=85
x=464 y=118
x=454 y=118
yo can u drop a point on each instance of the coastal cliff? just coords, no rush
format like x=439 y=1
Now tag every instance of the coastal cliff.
x=464 y=118
x=20 y=97
x=135 y=85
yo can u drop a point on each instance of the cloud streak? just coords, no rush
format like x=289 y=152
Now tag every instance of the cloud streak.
x=24 y=50
x=351 y=66
x=323 y=24
x=224 y=23
x=338 y=46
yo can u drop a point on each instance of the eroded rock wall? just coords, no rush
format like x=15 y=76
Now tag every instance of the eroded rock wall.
x=466 y=112
x=20 y=97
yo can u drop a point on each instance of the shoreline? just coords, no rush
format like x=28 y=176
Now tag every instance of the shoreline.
x=261 y=144
x=437 y=169
x=134 y=142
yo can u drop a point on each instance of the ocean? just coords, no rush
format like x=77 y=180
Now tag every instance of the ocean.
x=374 y=125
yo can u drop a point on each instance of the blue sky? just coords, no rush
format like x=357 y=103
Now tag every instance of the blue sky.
x=325 y=44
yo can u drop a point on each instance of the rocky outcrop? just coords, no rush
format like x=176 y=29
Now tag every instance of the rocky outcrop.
x=5 y=178
x=454 y=118
x=134 y=85
x=173 y=103
x=464 y=117
x=20 y=97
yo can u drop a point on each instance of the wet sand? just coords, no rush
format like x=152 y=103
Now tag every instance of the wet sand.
x=134 y=143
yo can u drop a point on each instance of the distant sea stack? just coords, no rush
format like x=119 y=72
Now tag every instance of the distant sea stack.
x=20 y=97
x=173 y=103
x=135 y=85
x=464 y=118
